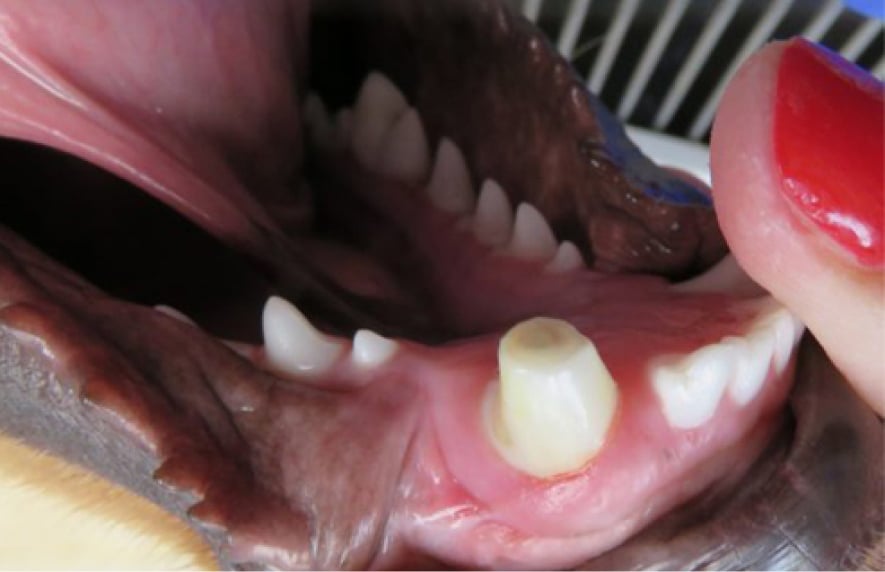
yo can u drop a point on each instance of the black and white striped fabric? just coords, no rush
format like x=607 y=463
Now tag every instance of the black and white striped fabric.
x=663 y=64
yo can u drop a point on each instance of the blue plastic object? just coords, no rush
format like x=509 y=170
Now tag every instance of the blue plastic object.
x=871 y=8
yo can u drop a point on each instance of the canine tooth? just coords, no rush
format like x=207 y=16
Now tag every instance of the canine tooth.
x=532 y=237
x=567 y=258
x=690 y=390
x=291 y=342
x=493 y=220
x=555 y=401
x=371 y=349
x=378 y=106
x=405 y=154
x=450 y=188
x=319 y=122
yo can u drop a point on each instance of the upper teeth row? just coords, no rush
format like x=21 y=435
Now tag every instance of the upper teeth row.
x=388 y=137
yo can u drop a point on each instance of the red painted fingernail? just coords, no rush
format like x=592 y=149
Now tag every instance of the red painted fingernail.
x=829 y=141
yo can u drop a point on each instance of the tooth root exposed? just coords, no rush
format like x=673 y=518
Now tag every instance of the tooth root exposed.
x=292 y=344
x=532 y=237
x=690 y=390
x=567 y=259
x=371 y=349
x=493 y=220
x=450 y=188
x=378 y=106
x=405 y=155
x=556 y=399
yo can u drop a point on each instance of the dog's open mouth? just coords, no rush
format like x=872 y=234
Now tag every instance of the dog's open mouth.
x=410 y=299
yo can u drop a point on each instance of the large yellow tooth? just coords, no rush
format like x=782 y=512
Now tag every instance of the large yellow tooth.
x=555 y=401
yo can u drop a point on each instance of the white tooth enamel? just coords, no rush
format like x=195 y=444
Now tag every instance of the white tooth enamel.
x=768 y=344
x=343 y=126
x=173 y=313
x=319 y=122
x=785 y=330
x=291 y=342
x=371 y=349
x=753 y=359
x=450 y=189
x=532 y=237
x=725 y=276
x=691 y=388
x=493 y=220
x=567 y=259
x=378 y=106
x=405 y=154
x=555 y=401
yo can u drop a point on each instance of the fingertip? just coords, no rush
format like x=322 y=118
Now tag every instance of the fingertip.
x=840 y=299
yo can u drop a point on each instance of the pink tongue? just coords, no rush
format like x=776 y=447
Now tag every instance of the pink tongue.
x=192 y=101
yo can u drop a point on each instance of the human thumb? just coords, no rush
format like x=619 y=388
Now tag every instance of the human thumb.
x=798 y=168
